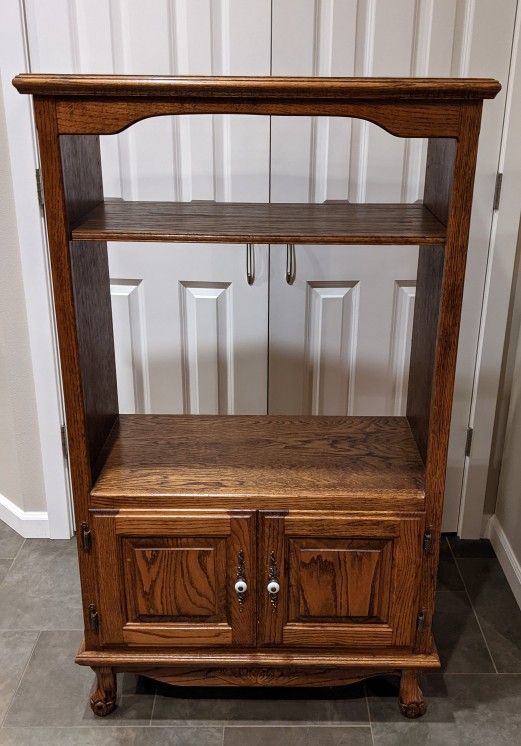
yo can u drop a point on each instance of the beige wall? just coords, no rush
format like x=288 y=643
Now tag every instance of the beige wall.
x=508 y=506
x=21 y=477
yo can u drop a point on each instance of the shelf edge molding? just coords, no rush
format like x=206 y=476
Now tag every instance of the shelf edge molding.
x=257 y=87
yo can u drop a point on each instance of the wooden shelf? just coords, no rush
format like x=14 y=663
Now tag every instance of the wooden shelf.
x=236 y=222
x=265 y=461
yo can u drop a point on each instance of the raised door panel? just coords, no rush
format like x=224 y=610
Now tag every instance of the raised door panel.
x=343 y=580
x=152 y=569
x=338 y=580
x=168 y=578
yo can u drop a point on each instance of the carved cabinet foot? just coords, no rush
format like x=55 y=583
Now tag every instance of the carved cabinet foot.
x=412 y=704
x=103 y=694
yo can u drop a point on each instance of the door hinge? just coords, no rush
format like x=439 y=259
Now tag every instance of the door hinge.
x=420 y=621
x=93 y=619
x=39 y=188
x=497 y=191
x=468 y=444
x=65 y=447
x=86 y=537
x=427 y=541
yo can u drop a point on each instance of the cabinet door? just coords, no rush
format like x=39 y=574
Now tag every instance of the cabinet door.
x=168 y=578
x=343 y=580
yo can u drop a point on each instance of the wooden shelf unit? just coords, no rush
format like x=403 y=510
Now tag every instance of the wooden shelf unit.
x=246 y=550
x=235 y=222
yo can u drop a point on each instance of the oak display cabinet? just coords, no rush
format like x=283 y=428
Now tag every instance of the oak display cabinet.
x=252 y=550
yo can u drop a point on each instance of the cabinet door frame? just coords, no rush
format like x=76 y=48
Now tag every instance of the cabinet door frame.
x=403 y=556
x=228 y=533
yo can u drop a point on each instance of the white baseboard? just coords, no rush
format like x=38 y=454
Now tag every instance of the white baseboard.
x=31 y=524
x=485 y=525
x=507 y=559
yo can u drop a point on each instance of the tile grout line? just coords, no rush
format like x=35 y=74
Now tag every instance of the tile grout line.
x=29 y=659
x=473 y=609
x=13 y=560
x=281 y=724
x=153 y=706
x=368 y=713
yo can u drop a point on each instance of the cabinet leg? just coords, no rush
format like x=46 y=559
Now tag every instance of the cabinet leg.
x=412 y=704
x=103 y=694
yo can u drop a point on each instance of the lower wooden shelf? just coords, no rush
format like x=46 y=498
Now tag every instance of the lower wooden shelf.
x=262 y=462
x=367 y=659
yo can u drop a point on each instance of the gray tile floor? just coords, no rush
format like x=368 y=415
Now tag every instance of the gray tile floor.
x=476 y=699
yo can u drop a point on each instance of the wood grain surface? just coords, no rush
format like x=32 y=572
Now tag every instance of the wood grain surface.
x=406 y=118
x=200 y=221
x=172 y=577
x=349 y=591
x=262 y=456
x=261 y=677
x=311 y=659
x=248 y=87
x=448 y=190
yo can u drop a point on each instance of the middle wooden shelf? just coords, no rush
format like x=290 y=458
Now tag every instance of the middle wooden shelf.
x=261 y=462
x=241 y=222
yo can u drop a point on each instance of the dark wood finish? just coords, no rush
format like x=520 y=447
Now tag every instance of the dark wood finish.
x=412 y=704
x=66 y=195
x=448 y=192
x=254 y=458
x=260 y=677
x=345 y=580
x=91 y=286
x=341 y=503
x=103 y=694
x=423 y=343
x=405 y=119
x=172 y=578
x=83 y=189
x=236 y=222
x=257 y=87
x=136 y=659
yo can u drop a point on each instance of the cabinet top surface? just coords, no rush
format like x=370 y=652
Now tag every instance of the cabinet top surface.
x=257 y=87
x=252 y=456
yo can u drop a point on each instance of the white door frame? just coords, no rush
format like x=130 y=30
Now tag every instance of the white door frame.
x=496 y=310
x=57 y=521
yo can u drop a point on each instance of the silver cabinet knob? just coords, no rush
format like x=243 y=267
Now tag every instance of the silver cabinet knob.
x=273 y=587
x=241 y=586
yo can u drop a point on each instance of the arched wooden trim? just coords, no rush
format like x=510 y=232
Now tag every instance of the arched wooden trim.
x=407 y=119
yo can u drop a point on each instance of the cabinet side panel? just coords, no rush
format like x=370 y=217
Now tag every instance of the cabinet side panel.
x=83 y=188
x=439 y=172
x=439 y=176
x=82 y=178
x=460 y=171
x=71 y=368
x=90 y=278
x=423 y=344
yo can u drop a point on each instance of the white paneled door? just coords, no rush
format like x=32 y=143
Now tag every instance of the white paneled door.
x=191 y=334
x=339 y=335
